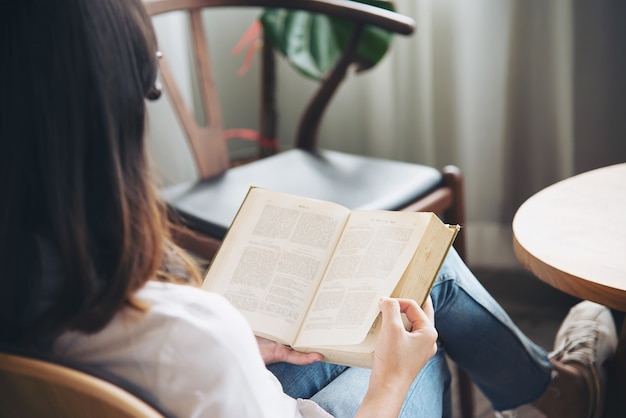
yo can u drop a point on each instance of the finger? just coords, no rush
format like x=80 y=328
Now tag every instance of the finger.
x=390 y=308
x=298 y=358
x=416 y=316
x=288 y=355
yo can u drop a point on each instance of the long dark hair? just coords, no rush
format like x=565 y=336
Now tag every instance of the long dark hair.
x=73 y=165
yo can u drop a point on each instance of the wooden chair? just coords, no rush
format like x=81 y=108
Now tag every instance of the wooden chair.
x=208 y=205
x=37 y=386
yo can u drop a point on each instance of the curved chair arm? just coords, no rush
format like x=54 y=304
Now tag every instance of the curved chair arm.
x=353 y=10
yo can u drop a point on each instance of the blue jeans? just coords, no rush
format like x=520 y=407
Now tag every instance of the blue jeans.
x=474 y=331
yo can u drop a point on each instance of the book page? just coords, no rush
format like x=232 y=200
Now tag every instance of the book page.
x=273 y=257
x=369 y=260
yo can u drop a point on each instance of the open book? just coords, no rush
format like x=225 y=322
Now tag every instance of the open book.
x=309 y=273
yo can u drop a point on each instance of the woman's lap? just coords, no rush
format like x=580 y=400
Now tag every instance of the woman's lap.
x=474 y=331
x=340 y=390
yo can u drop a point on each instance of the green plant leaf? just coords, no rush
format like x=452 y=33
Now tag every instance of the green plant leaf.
x=312 y=43
x=273 y=21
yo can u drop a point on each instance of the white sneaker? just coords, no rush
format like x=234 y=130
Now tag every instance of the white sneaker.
x=588 y=338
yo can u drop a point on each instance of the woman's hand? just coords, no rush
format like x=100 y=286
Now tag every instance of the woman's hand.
x=399 y=355
x=273 y=352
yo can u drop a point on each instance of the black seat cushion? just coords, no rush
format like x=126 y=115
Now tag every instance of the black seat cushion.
x=356 y=182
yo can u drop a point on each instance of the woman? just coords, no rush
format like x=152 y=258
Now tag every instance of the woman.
x=88 y=269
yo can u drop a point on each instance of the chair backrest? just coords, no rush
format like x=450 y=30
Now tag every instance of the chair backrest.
x=34 y=387
x=207 y=143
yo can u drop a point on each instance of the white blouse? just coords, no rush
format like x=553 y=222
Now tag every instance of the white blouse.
x=193 y=351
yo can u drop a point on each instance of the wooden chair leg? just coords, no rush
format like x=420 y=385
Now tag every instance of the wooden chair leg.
x=456 y=214
x=466 y=393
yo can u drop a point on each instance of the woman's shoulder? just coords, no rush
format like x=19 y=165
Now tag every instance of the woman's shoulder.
x=185 y=339
x=167 y=294
x=170 y=314
x=190 y=318
x=191 y=308
x=167 y=291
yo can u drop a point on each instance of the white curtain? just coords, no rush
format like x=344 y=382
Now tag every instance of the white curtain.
x=518 y=94
x=480 y=80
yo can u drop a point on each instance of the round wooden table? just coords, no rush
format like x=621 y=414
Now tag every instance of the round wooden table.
x=572 y=235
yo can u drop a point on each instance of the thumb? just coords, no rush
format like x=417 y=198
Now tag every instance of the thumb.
x=390 y=308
